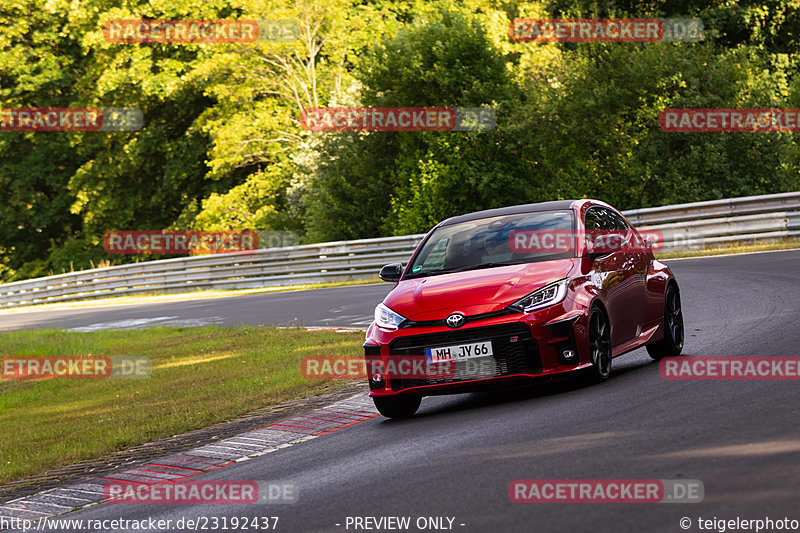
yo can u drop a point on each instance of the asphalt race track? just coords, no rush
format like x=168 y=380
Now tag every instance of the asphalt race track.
x=457 y=457
x=349 y=307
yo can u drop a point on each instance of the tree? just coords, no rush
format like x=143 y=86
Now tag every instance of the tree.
x=368 y=184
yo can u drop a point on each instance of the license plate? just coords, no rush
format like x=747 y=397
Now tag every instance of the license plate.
x=458 y=352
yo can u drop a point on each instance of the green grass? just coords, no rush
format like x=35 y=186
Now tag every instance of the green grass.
x=735 y=248
x=200 y=376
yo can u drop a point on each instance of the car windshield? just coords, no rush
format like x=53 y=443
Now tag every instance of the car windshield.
x=495 y=241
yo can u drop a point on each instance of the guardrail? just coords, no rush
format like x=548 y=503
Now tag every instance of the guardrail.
x=686 y=226
x=729 y=207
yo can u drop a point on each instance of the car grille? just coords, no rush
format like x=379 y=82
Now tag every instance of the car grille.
x=520 y=357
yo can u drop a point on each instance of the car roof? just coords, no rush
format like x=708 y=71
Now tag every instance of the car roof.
x=510 y=210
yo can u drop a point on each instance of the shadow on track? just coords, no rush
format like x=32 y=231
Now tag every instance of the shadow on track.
x=531 y=390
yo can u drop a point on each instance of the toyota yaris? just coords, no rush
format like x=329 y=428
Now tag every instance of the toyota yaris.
x=506 y=295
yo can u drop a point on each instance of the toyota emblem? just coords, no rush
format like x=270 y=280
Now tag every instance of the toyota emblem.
x=456 y=320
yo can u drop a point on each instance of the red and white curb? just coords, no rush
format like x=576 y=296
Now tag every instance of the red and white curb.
x=183 y=465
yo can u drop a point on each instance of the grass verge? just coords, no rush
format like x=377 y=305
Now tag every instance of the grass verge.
x=200 y=376
x=735 y=248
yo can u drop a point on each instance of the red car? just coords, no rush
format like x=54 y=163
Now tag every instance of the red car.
x=521 y=292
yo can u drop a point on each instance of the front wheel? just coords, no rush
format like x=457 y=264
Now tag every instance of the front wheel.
x=397 y=406
x=672 y=343
x=599 y=346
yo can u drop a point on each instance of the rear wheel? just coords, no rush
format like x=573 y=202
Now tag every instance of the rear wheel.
x=672 y=343
x=397 y=406
x=599 y=346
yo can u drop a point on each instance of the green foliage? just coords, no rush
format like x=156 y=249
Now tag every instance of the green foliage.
x=222 y=146
x=403 y=182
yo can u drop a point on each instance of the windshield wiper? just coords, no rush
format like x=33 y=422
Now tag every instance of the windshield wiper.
x=425 y=273
x=489 y=265
x=463 y=269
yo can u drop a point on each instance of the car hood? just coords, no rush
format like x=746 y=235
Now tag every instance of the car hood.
x=474 y=291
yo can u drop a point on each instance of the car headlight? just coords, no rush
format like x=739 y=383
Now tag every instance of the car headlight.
x=386 y=318
x=547 y=295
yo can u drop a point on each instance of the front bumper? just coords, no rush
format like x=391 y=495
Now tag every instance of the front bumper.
x=525 y=346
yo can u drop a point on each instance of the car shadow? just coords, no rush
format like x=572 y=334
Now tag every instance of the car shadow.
x=628 y=364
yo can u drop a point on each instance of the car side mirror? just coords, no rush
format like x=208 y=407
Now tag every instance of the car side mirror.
x=391 y=272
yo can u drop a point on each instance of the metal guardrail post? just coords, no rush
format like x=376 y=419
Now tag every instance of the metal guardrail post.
x=793 y=221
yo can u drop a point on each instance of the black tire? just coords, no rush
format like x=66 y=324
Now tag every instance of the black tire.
x=672 y=343
x=397 y=406
x=599 y=346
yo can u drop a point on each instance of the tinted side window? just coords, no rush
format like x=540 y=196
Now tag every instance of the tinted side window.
x=590 y=219
x=601 y=218
x=616 y=221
